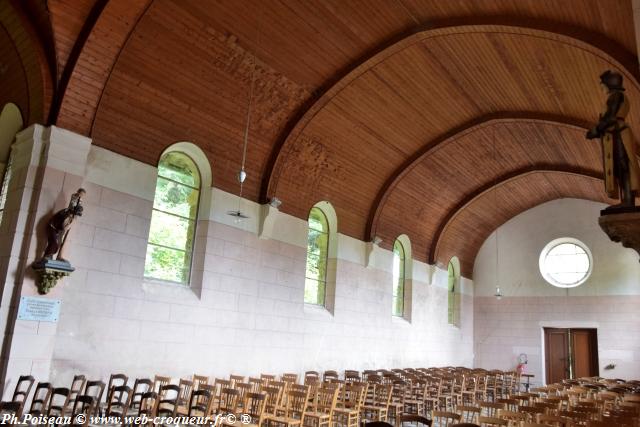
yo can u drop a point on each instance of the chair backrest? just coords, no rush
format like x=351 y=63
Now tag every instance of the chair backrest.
x=58 y=401
x=158 y=382
x=116 y=380
x=444 y=418
x=490 y=409
x=297 y=404
x=23 y=388
x=254 y=405
x=468 y=414
x=236 y=379
x=148 y=404
x=273 y=396
x=290 y=378
x=168 y=396
x=41 y=398
x=267 y=378
x=140 y=387
x=186 y=386
x=199 y=380
x=118 y=401
x=330 y=375
x=229 y=401
x=83 y=405
x=95 y=389
x=554 y=420
x=200 y=403
x=77 y=386
x=326 y=399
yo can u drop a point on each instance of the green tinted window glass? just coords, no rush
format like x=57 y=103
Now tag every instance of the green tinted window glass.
x=317 y=256
x=173 y=220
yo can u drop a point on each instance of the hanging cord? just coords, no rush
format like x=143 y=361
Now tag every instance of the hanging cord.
x=242 y=174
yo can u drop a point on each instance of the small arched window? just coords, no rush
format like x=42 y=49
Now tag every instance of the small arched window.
x=317 y=256
x=173 y=221
x=398 y=278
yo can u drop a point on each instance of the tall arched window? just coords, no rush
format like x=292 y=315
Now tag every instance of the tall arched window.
x=317 y=256
x=398 y=279
x=173 y=221
x=453 y=299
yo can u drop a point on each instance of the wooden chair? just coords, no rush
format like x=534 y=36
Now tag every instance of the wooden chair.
x=41 y=398
x=148 y=404
x=116 y=380
x=468 y=414
x=200 y=403
x=21 y=392
x=229 y=401
x=58 y=402
x=83 y=405
x=254 y=407
x=185 y=386
x=379 y=409
x=256 y=383
x=351 y=376
x=294 y=412
x=273 y=399
x=527 y=424
x=267 y=378
x=491 y=422
x=95 y=389
x=168 y=398
x=77 y=387
x=323 y=407
x=118 y=401
x=140 y=387
x=347 y=411
x=490 y=409
x=444 y=418
x=398 y=398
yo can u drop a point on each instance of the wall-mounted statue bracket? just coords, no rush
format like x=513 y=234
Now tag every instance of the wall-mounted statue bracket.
x=49 y=272
x=622 y=227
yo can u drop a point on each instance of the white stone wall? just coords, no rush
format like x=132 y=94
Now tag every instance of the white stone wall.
x=608 y=300
x=244 y=313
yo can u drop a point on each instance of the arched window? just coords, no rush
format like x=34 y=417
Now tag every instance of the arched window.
x=173 y=221
x=453 y=303
x=398 y=279
x=317 y=256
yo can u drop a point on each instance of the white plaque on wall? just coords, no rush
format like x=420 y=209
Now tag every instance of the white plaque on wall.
x=39 y=309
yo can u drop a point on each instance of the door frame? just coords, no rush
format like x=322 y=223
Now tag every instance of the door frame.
x=560 y=324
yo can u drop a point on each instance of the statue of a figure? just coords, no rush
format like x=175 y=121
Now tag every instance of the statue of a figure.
x=621 y=166
x=59 y=225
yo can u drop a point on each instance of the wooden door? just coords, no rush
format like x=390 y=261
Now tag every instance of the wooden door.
x=557 y=354
x=570 y=353
x=584 y=346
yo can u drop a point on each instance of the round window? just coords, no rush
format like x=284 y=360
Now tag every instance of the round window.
x=566 y=263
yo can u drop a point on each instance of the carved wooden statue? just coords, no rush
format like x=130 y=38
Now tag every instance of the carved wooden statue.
x=59 y=225
x=621 y=166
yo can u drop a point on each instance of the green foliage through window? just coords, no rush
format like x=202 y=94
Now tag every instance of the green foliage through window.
x=317 y=255
x=173 y=221
x=398 y=279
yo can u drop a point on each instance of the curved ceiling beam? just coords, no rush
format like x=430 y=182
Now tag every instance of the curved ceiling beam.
x=575 y=36
x=90 y=64
x=489 y=187
x=469 y=127
x=36 y=68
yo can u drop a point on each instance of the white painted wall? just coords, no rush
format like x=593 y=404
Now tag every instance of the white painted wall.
x=608 y=300
x=245 y=314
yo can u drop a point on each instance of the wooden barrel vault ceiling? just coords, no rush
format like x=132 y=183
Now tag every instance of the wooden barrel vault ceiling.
x=440 y=120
